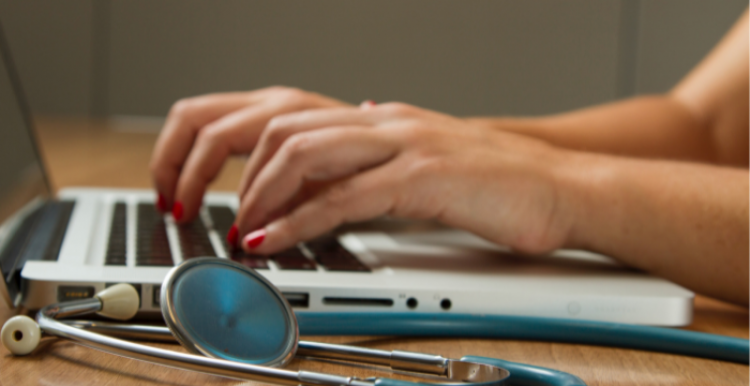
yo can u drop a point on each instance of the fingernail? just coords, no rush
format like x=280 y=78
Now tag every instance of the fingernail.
x=253 y=239
x=177 y=211
x=367 y=104
x=232 y=235
x=161 y=203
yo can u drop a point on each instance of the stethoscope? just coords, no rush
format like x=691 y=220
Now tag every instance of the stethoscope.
x=236 y=324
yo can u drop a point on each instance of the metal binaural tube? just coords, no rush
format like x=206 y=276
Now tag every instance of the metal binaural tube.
x=219 y=367
x=124 y=331
x=75 y=307
x=397 y=360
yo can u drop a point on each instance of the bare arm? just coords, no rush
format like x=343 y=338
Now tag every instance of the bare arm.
x=704 y=118
x=683 y=221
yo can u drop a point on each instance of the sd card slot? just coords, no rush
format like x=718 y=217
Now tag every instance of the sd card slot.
x=362 y=302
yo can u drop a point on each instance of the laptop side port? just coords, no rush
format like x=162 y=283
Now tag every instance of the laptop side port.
x=74 y=292
x=362 y=302
x=156 y=296
x=297 y=299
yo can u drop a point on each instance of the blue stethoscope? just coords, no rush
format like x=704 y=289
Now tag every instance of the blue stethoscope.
x=236 y=324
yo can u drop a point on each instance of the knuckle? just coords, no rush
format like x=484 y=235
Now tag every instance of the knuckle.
x=183 y=107
x=211 y=135
x=413 y=133
x=425 y=166
x=276 y=89
x=398 y=109
x=290 y=95
x=275 y=134
x=297 y=147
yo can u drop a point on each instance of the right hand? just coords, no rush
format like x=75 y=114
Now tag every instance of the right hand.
x=201 y=132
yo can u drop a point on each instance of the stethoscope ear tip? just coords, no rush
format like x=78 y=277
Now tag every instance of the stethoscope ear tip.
x=119 y=301
x=20 y=335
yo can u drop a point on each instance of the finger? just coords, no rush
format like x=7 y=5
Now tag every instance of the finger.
x=284 y=126
x=235 y=133
x=185 y=119
x=317 y=155
x=357 y=198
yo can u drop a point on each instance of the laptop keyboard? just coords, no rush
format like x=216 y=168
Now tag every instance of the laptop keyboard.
x=153 y=248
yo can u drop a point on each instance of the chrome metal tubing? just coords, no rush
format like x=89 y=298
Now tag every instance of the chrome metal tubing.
x=419 y=362
x=396 y=360
x=455 y=371
x=348 y=353
x=75 y=307
x=219 y=367
x=124 y=331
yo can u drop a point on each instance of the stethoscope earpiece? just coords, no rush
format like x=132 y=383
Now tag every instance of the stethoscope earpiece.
x=21 y=335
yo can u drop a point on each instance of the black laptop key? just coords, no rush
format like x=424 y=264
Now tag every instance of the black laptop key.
x=248 y=260
x=222 y=217
x=116 y=246
x=152 y=242
x=333 y=256
x=194 y=240
x=294 y=259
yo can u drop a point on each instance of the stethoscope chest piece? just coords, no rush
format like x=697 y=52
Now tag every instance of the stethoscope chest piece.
x=221 y=309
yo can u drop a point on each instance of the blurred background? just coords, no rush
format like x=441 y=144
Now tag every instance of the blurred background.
x=107 y=58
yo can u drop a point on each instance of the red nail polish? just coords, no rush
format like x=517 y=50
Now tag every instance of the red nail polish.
x=232 y=235
x=177 y=211
x=161 y=203
x=254 y=239
x=367 y=104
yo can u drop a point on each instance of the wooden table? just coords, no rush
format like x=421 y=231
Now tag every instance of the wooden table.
x=90 y=153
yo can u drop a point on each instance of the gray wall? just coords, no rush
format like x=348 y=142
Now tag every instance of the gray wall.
x=104 y=57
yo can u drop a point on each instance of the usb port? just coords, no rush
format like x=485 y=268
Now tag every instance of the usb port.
x=68 y=292
x=297 y=299
x=156 y=298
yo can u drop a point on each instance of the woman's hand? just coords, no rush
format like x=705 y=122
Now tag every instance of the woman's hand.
x=201 y=132
x=398 y=160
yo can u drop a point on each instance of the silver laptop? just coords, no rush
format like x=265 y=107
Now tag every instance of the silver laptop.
x=77 y=243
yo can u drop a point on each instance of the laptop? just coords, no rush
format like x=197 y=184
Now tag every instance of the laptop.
x=81 y=240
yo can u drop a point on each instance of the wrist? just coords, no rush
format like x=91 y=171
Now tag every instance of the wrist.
x=530 y=127
x=583 y=181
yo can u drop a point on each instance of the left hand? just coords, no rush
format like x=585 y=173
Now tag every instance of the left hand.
x=399 y=160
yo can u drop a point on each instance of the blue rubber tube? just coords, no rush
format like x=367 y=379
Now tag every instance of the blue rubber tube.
x=520 y=375
x=648 y=338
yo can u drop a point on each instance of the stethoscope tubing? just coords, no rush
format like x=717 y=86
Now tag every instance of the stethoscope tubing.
x=649 y=338
x=521 y=374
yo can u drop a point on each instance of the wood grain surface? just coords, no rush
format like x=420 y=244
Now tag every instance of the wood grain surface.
x=91 y=153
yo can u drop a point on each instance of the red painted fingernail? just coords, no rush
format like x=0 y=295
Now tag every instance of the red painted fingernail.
x=232 y=235
x=367 y=104
x=177 y=211
x=161 y=203
x=253 y=239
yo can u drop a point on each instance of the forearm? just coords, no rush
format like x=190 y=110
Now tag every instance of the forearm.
x=684 y=221
x=652 y=127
